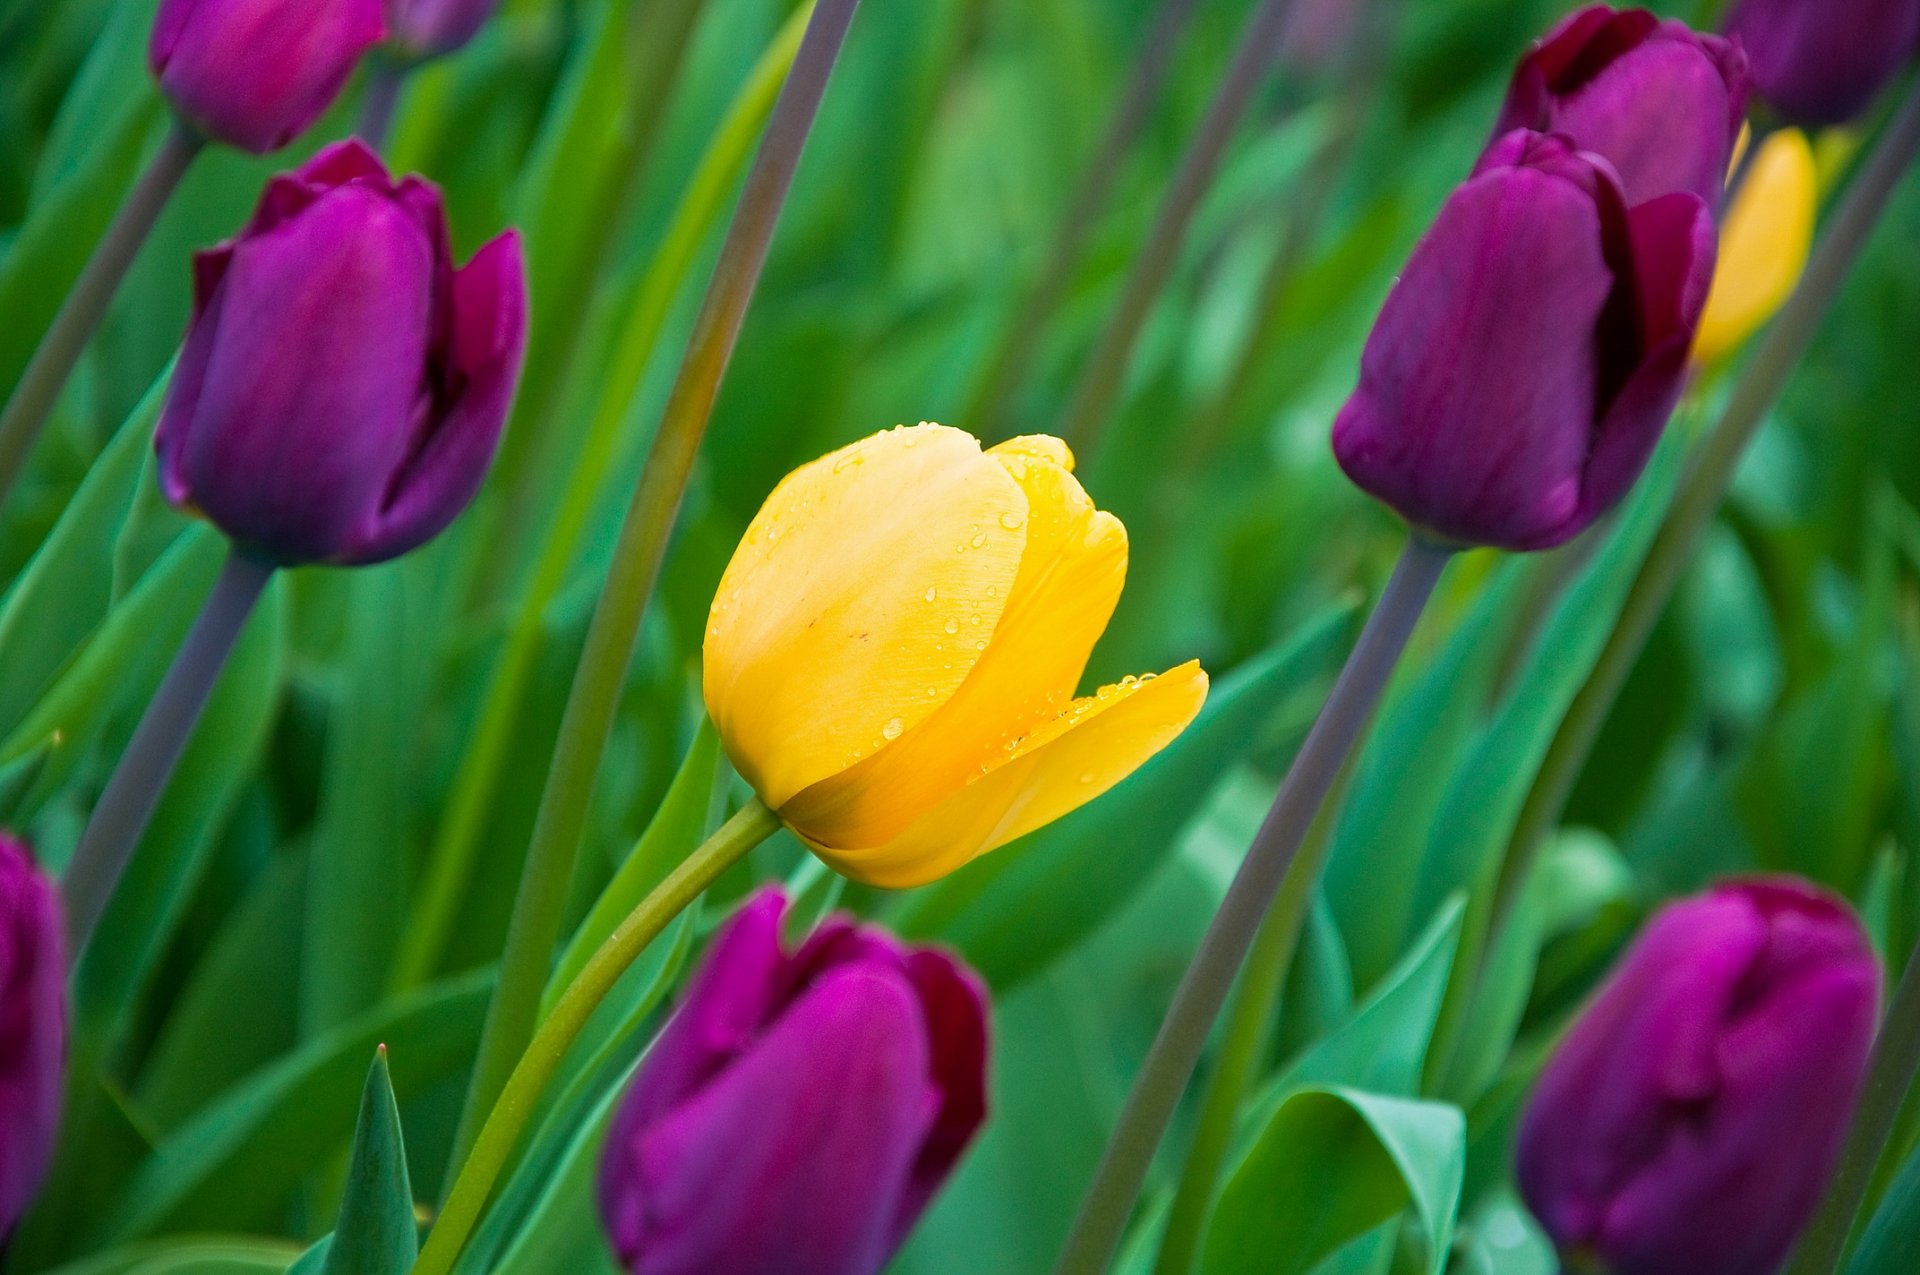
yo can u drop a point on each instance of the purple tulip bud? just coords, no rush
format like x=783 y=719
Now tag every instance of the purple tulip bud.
x=1660 y=102
x=1524 y=365
x=255 y=73
x=33 y=1027
x=1688 y=1122
x=430 y=28
x=1821 y=62
x=343 y=388
x=800 y=1111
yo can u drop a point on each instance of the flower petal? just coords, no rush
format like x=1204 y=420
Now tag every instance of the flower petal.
x=1763 y=244
x=1068 y=585
x=1076 y=757
x=828 y=635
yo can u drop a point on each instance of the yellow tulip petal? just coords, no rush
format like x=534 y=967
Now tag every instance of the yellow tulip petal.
x=1041 y=447
x=1029 y=665
x=1075 y=758
x=828 y=636
x=1763 y=244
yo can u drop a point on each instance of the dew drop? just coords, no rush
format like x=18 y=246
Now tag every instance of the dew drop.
x=953 y=626
x=893 y=728
x=979 y=538
x=1012 y=522
x=933 y=591
x=1087 y=778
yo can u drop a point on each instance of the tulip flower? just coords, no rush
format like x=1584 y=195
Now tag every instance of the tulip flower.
x=422 y=29
x=1662 y=103
x=1821 y=62
x=1688 y=1122
x=255 y=73
x=1526 y=362
x=343 y=387
x=33 y=1028
x=801 y=1109
x=1764 y=242
x=892 y=653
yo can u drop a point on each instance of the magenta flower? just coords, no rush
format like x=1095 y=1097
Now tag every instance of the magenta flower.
x=343 y=387
x=33 y=1027
x=423 y=29
x=1821 y=62
x=800 y=1111
x=1662 y=103
x=1526 y=362
x=1688 y=1122
x=255 y=73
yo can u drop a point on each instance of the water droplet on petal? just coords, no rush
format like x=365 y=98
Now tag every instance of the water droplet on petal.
x=953 y=626
x=893 y=728
x=933 y=591
x=1012 y=521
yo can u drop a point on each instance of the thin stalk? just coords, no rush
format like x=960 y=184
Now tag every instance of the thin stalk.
x=537 y=1067
x=1008 y=365
x=537 y=912
x=1104 y=376
x=380 y=99
x=60 y=349
x=1183 y=1033
x=1896 y=1059
x=457 y=841
x=127 y=803
x=1705 y=487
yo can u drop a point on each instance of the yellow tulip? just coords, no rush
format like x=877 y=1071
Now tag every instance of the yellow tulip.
x=892 y=655
x=1763 y=244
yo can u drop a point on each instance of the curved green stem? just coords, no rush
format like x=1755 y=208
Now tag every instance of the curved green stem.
x=537 y=1067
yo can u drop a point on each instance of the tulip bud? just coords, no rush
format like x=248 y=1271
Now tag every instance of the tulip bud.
x=33 y=1027
x=1765 y=239
x=422 y=29
x=1524 y=365
x=1688 y=1122
x=800 y=1110
x=892 y=654
x=1820 y=62
x=343 y=387
x=1658 y=101
x=255 y=73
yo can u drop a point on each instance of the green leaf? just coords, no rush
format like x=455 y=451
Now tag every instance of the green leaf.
x=187 y=1255
x=376 y=1234
x=1079 y=871
x=1891 y=1243
x=1329 y=1166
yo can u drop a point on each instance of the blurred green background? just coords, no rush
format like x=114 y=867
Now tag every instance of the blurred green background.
x=227 y=1016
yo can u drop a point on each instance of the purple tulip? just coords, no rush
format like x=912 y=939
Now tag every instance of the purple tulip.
x=1660 y=102
x=800 y=1111
x=1524 y=365
x=430 y=28
x=343 y=387
x=33 y=1027
x=1821 y=62
x=255 y=73
x=1688 y=1122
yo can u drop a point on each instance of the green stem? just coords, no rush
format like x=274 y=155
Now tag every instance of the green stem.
x=380 y=99
x=1704 y=489
x=1104 y=376
x=541 y=1061
x=1896 y=1058
x=60 y=349
x=457 y=841
x=537 y=912
x=1183 y=1034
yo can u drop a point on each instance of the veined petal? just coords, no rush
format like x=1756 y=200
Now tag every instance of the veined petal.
x=828 y=636
x=1763 y=244
x=1076 y=757
x=1068 y=585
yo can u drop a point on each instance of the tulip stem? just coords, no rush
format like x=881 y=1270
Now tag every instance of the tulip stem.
x=127 y=803
x=1703 y=490
x=1896 y=1059
x=379 y=100
x=1183 y=1033
x=53 y=361
x=1008 y=364
x=537 y=1067
x=534 y=927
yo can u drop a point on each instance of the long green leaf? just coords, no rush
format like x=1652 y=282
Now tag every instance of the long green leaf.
x=376 y=1234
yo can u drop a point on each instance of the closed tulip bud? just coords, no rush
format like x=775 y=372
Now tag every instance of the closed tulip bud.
x=1688 y=1122
x=892 y=654
x=421 y=29
x=255 y=73
x=1526 y=362
x=800 y=1110
x=1820 y=62
x=343 y=387
x=1660 y=102
x=1764 y=241
x=33 y=1027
